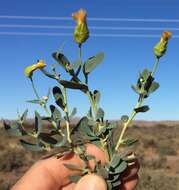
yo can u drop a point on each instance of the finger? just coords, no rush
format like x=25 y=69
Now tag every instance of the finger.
x=47 y=174
x=130 y=184
x=91 y=182
x=131 y=171
x=51 y=174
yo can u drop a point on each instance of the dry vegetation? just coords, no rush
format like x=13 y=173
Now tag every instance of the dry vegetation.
x=158 y=152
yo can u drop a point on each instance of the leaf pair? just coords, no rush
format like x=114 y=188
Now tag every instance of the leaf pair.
x=145 y=84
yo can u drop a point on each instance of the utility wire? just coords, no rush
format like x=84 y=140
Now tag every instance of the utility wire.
x=91 y=27
x=92 y=35
x=90 y=18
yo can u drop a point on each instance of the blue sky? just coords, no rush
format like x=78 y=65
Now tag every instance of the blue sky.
x=124 y=56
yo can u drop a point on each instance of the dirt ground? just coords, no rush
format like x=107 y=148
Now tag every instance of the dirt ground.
x=157 y=150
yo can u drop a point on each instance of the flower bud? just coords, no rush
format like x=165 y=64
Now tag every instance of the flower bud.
x=81 y=32
x=30 y=69
x=161 y=47
x=45 y=98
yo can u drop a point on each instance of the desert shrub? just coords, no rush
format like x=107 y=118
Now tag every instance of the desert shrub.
x=11 y=159
x=166 y=148
x=155 y=180
x=149 y=142
x=154 y=163
x=5 y=185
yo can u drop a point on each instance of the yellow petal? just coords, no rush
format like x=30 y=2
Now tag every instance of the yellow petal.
x=166 y=36
x=30 y=69
x=80 y=16
x=40 y=64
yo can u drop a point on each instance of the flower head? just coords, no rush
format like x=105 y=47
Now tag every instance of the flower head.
x=30 y=69
x=80 y=16
x=81 y=32
x=161 y=47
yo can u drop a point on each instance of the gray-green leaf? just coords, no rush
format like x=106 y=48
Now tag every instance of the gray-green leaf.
x=92 y=62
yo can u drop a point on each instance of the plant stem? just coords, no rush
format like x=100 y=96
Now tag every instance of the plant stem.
x=67 y=121
x=92 y=104
x=155 y=67
x=34 y=89
x=80 y=52
x=133 y=114
x=38 y=97
x=94 y=109
x=125 y=125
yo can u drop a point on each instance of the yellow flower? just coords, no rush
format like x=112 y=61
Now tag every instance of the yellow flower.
x=161 y=47
x=80 y=16
x=81 y=32
x=30 y=69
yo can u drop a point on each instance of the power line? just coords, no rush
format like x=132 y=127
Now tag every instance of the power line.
x=91 y=27
x=90 y=18
x=92 y=35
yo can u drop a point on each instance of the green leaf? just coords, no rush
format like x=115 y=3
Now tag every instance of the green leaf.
x=82 y=132
x=63 y=140
x=91 y=122
x=130 y=142
x=154 y=86
x=38 y=123
x=74 y=85
x=121 y=167
x=142 y=109
x=136 y=89
x=115 y=160
x=83 y=125
x=14 y=129
x=74 y=178
x=47 y=74
x=34 y=101
x=72 y=166
x=76 y=64
x=100 y=114
x=59 y=98
x=102 y=131
x=55 y=113
x=24 y=115
x=92 y=62
x=124 y=118
x=63 y=61
x=111 y=125
x=96 y=96
x=145 y=74
x=116 y=183
x=101 y=171
x=89 y=114
x=109 y=185
x=73 y=113
x=46 y=137
x=32 y=147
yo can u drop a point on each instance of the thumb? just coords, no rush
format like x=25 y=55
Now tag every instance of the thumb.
x=91 y=182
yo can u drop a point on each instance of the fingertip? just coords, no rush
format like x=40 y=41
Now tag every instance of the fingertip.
x=91 y=182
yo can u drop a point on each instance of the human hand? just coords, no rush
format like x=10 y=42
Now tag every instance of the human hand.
x=51 y=174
